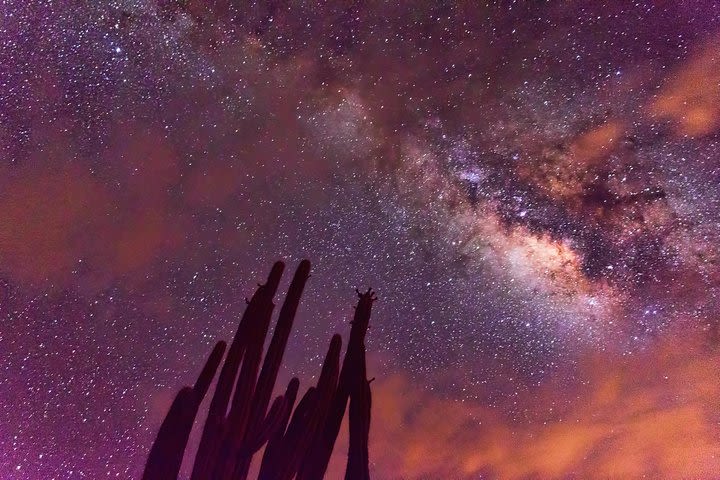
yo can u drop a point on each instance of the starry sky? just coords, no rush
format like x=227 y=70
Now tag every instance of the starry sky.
x=531 y=187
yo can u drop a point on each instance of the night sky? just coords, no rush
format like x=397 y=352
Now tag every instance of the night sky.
x=532 y=188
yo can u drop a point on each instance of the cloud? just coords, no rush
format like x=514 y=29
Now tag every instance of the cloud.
x=690 y=97
x=647 y=415
x=63 y=219
x=50 y=217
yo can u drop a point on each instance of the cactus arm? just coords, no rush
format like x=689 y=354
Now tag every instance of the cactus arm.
x=353 y=370
x=168 y=449
x=271 y=364
x=275 y=444
x=268 y=427
x=212 y=440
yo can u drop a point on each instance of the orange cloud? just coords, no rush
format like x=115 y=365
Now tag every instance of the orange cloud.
x=691 y=96
x=49 y=216
x=648 y=415
x=598 y=142
x=62 y=222
x=565 y=170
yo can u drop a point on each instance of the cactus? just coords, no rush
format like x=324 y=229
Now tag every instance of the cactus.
x=307 y=421
x=297 y=442
x=352 y=375
x=215 y=426
x=168 y=449
x=273 y=359
x=274 y=445
x=359 y=413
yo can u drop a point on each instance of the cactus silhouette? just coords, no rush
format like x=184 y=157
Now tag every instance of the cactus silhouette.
x=241 y=419
x=353 y=382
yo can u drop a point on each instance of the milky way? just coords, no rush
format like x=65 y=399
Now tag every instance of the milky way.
x=531 y=188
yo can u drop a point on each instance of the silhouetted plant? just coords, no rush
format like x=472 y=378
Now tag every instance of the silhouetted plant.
x=298 y=442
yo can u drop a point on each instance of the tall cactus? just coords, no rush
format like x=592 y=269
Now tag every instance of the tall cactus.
x=216 y=434
x=167 y=452
x=273 y=359
x=358 y=467
x=352 y=376
x=299 y=442
x=283 y=461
